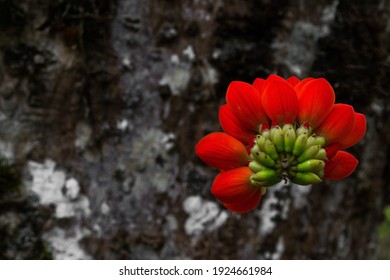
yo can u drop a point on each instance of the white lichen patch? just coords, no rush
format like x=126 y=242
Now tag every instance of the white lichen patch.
x=65 y=246
x=203 y=215
x=122 y=124
x=168 y=141
x=83 y=135
x=105 y=209
x=279 y=249
x=72 y=188
x=161 y=180
x=176 y=78
x=175 y=59
x=126 y=62
x=329 y=14
x=51 y=187
x=150 y=151
x=171 y=222
x=299 y=194
x=268 y=211
x=378 y=106
x=46 y=182
x=152 y=143
x=211 y=75
x=189 y=53
x=65 y=209
x=7 y=150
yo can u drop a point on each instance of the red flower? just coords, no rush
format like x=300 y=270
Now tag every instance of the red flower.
x=275 y=130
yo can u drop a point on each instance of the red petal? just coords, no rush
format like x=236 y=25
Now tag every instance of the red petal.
x=232 y=126
x=221 y=151
x=258 y=84
x=280 y=100
x=245 y=102
x=233 y=186
x=356 y=134
x=300 y=85
x=340 y=166
x=293 y=81
x=332 y=150
x=274 y=77
x=315 y=102
x=338 y=124
x=247 y=205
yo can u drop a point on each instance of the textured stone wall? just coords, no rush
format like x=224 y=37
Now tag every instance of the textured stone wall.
x=102 y=103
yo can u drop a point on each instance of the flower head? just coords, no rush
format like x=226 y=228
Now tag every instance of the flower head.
x=277 y=129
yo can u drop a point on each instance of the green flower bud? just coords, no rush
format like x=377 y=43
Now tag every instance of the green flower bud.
x=286 y=127
x=255 y=166
x=299 y=145
x=265 y=178
x=260 y=140
x=289 y=138
x=302 y=130
x=310 y=141
x=309 y=153
x=270 y=149
x=320 y=155
x=264 y=159
x=255 y=149
x=311 y=165
x=265 y=133
x=306 y=178
x=264 y=175
x=277 y=137
x=320 y=141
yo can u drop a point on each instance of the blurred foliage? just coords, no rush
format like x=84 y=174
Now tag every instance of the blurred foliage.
x=384 y=236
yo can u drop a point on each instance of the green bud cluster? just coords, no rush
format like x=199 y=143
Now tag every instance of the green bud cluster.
x=287 y=153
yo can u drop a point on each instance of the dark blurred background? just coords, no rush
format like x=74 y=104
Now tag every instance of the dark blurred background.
x=102 y=102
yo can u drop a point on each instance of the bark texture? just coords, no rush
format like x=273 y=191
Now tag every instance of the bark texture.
x=102 y=103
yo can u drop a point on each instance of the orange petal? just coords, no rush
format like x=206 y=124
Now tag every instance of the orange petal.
x=315 y=102
x=222 y=151
x=245 y=103
x=233 y=186
x=298 y=87
x=280 y=100
x=293 y=81
x=247 y=205
x=232 y=126
x=356 y=134
x=340 y=166
x=338 y=124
